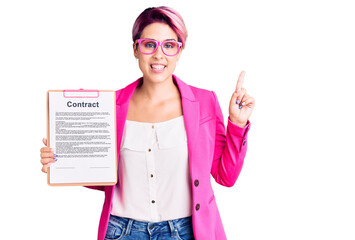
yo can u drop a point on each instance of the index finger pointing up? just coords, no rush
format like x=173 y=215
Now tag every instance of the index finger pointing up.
x=240 y=81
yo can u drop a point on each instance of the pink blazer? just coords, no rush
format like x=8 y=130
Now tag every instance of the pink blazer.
x=211 y=150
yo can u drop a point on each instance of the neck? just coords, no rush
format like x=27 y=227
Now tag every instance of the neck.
x=156 y=92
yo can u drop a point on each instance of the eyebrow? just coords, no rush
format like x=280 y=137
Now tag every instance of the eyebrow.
x=170 y=39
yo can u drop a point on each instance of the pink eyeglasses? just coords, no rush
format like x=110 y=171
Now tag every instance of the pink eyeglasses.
x=150 y=46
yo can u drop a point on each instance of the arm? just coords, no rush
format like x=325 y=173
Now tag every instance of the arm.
x=230 y=149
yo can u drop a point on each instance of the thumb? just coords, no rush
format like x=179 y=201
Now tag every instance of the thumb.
x=44 y=140
x=233 y=100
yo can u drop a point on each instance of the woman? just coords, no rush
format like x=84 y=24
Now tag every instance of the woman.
x=171 y=137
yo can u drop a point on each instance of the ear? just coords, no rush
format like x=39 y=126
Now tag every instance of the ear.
x=135 y=51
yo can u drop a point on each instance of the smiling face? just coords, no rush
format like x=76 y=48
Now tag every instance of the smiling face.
x=157 y=67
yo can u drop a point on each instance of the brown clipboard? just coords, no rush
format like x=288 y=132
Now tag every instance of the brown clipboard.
x=93 y=94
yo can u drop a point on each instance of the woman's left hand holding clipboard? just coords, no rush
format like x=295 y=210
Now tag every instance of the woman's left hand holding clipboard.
x=47 y=156
x=241 y=104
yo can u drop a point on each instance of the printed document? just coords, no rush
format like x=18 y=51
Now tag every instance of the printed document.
x=82 y=133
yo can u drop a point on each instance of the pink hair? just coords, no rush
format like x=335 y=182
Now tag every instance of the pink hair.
x=162 y=15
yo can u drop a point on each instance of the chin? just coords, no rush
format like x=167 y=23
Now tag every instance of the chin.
x=158 y=78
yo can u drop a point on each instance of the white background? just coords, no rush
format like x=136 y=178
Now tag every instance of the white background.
x=297 y=181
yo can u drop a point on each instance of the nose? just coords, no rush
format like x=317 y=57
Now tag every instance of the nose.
x=158 y=53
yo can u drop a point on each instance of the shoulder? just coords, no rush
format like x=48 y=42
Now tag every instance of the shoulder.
x=203 y=95
x=207 y=100
x=132 y=85
x=200 y=91
x=126 y=92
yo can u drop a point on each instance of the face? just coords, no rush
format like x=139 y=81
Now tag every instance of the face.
x=157 y=67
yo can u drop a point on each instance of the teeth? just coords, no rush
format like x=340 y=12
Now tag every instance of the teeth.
x=158 y=67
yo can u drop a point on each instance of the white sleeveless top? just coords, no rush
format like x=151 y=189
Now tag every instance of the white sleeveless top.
x=154 y=181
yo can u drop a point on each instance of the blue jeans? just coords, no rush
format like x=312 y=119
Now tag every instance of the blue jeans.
x=126 y=228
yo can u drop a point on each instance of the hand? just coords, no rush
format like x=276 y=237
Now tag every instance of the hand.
x=47 y=156
x=241 y=104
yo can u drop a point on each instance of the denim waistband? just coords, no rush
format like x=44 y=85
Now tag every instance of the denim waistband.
x=173 y=225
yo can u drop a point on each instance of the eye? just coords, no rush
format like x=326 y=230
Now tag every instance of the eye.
x=170 y=45
x=147 y=44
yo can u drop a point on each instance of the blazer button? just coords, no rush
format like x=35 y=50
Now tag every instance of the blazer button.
x=244 y=143
x=197 y=206
x=196 y=183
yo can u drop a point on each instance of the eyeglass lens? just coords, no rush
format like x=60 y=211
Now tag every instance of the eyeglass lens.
x=169 y=47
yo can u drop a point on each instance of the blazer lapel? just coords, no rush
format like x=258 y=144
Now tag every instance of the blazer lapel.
x=122 y=102
x=191 y=111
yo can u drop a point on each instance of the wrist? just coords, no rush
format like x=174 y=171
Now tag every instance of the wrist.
x=238 y=123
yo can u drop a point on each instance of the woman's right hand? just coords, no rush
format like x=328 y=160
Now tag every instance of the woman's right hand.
x=47 y=156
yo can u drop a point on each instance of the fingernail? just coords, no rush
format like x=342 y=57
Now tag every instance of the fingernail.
x=240 y=107
x=238 y=101
x=55 y=159
x=55 y=155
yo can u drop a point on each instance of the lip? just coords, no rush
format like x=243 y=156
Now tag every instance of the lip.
x=157 y=70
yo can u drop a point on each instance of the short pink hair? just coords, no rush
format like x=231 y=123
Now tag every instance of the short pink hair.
x=161 y=15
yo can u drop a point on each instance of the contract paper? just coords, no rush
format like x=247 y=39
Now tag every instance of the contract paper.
x=82 y=132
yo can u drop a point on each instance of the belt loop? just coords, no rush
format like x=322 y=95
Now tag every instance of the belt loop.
x=129 y=225
x=172 y=228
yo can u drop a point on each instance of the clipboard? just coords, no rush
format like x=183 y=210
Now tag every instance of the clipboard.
x=73 y=118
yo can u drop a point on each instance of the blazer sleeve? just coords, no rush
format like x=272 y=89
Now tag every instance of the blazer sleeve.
x=230 y=149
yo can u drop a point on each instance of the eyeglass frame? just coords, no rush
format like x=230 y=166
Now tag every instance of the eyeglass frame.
x=157 y=46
